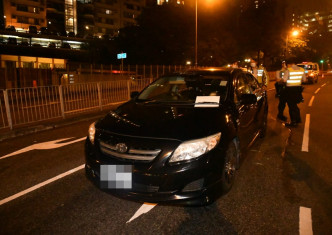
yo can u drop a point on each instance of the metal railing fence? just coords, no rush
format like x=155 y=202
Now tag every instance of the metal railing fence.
x=34 y=104
x=3 y=117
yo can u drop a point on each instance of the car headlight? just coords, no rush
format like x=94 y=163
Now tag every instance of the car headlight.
x=194 y=148
x=92 y=132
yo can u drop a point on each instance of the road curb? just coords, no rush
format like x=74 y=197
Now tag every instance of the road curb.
x=38 y=128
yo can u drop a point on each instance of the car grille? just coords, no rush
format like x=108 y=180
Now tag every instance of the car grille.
x=145 y=188
x=131 y=154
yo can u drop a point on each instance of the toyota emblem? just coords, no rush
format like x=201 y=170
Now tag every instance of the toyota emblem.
x=121 y=147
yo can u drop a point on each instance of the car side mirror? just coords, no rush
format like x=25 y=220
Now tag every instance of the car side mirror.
x=134 y=94
x=248 y=99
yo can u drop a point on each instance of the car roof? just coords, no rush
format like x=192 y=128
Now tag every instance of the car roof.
x=212 y=70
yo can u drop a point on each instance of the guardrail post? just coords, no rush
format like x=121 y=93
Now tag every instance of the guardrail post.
x=9 y=116
x=62 y=104
x=99 y=96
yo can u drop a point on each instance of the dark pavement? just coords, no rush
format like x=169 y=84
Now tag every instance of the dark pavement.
x=274 y=181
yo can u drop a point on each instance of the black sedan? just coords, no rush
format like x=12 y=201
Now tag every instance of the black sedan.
x=180 y=139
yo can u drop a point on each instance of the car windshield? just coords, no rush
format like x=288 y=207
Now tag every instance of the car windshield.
x=185 y=88
x=305 y=66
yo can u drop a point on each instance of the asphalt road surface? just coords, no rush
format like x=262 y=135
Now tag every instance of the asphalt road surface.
x=284 y=185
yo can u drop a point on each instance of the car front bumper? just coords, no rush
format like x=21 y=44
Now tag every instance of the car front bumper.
x=193 y=183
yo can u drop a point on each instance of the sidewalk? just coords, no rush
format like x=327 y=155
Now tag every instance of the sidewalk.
x=50 y=124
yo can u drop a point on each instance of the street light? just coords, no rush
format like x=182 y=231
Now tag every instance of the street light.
x=196 y=63
x=196 y=4
x=294 y=33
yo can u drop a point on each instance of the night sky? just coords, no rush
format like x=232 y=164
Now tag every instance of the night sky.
x=311 y=5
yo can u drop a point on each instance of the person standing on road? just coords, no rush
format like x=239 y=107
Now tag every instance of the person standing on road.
x=294 y=76
x=259 y=73
x=280 y=86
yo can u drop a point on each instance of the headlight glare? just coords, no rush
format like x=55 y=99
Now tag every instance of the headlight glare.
x=195 y=148
x=92 y=132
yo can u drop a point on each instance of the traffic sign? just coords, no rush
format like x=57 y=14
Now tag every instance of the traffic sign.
x=122 y=56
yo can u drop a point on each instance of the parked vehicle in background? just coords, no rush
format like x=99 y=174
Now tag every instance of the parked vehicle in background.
x=311 y=71
x=44 y=31
x=11 y=28
x=32 y=29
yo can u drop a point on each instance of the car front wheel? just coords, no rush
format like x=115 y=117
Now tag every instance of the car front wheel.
x=230 y=165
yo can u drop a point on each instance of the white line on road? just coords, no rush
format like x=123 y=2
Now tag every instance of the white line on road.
x=145 y=208
x=311 y=100
x=305 y=224
x=317 y=91
x=305 y=141
x=44 y=145
x=323 y=85
x=33 y=188
x=271 y=89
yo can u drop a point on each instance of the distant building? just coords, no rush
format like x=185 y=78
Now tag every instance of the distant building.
x=315 y=22
x=160 y=2
x=250 y=4
x=83 y=17
x=24 y=13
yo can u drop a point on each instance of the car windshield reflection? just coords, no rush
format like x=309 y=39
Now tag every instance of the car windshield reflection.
x=184 y=89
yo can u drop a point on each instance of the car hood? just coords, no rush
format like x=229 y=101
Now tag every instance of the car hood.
x=182 y=122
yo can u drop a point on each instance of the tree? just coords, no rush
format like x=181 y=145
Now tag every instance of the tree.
x=262 y=29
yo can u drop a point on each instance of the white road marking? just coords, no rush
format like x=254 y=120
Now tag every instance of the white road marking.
x=145 y=208
x=270 y=89
x=305 y=224
x=317 y=91
x=44 y=145
x=323 y=85
x=305 y=141
x=33 y=188
x=311 y=100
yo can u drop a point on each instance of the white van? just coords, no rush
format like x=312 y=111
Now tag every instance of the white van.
x=311 y=71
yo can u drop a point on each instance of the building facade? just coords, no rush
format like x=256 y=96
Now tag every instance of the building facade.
x=315 y=22
x=83 y=17
x=24 y=13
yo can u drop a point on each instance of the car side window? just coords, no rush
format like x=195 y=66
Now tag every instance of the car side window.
x=242 y=87
x=253 y=84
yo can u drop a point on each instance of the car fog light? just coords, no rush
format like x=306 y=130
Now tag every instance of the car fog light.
x=194 y=186
x=92 y=132
x=194 y=148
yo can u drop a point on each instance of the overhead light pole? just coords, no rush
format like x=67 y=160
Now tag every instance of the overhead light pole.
x=196 y=63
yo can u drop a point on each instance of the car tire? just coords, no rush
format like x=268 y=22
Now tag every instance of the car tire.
x=230 y=166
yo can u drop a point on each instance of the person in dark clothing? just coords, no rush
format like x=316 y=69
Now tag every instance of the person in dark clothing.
x=281 y=91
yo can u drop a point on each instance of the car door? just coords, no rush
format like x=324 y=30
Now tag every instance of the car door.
x=246 y=112
x=260 y=93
